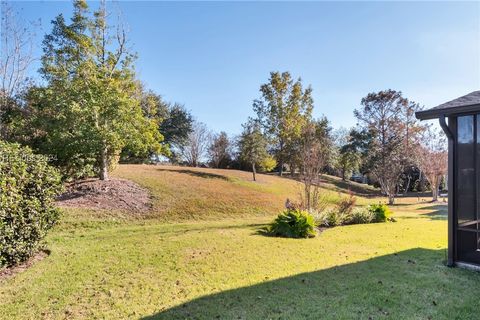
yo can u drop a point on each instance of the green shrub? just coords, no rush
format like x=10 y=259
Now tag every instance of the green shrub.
x=380 y=212
x=360 y=216
x=327 y=218
x=345 y=214
x=293 y=223
x=28 y=186
x=267 y=164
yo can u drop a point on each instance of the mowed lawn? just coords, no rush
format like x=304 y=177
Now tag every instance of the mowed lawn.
x=199 y=255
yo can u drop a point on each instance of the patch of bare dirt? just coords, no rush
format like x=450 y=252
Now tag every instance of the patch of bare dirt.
x=8 y=272
x=113 y=194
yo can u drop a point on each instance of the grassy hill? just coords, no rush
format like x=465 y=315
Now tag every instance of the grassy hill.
x=182 y=193
x=198 y=255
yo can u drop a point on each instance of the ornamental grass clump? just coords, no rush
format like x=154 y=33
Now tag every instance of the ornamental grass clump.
x=28 y=187
x=344 y=213
x=361 y=216
x=293 y=223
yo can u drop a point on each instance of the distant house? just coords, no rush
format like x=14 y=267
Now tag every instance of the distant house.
x=463 y=132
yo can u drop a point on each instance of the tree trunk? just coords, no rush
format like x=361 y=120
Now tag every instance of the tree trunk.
x=408 y=183
x=254 y=171
x=434 y=195
x=435 y=189
x=307 y=195
x=104 y=164
x=391 y=199
x=280 y=160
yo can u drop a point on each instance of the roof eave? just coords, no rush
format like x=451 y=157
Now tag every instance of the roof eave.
x=437 y=113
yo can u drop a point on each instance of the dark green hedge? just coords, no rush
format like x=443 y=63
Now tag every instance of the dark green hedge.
x=28 y=186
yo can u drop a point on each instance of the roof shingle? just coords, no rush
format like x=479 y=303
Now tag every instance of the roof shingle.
x=465 y=103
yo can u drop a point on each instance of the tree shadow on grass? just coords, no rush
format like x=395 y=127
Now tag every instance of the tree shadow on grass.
x=434 y=215
x=406 y=285
x=396 y=204
x=438 y=207
x=356 y=188
x=262 y=230
x=199 y=174
x=438 y=212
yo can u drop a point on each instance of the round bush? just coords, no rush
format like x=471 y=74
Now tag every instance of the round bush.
x=293 y=223
x=381 y=212
x=28 y=186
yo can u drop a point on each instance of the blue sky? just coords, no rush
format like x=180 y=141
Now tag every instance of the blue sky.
x=213 y=56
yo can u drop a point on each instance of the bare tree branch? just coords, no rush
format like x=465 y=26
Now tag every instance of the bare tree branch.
x=16 y=56
x=197 y=145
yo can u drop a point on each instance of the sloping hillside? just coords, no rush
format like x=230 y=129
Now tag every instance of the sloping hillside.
x=107 y=264
x=183 y=193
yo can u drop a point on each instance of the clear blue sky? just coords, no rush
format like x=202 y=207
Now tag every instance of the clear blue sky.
x=213 y=56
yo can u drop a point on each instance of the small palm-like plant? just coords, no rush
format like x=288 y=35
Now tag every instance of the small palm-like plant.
x=293 y=223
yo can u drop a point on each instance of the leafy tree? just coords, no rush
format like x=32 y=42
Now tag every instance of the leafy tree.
x=267 y=164
x=348 y=161
x=283 y=110
x=152 y=107
x=219 y=150
x=176 y=127
x=252 y=146
x=349 y=156
x=175 y=123
x=89 y=109
x=360 y=141
x=386 y=117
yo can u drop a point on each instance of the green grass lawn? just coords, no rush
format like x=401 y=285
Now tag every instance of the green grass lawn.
x=199 y=255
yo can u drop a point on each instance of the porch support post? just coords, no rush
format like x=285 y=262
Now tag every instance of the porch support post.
x=451 y=190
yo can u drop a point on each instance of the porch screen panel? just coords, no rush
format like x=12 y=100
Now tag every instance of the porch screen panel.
x=465 y=171
x=467 y=223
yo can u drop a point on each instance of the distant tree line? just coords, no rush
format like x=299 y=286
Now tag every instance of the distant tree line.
x=389 y=147
x=90 y=112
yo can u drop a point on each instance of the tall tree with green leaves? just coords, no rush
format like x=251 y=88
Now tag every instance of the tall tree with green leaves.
x=283 y=109
x=175 y=121
x=89 y=109
x=175 y=124
x=386 y=116
x=176 y=127
x=349 y=156
x=252 y=146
